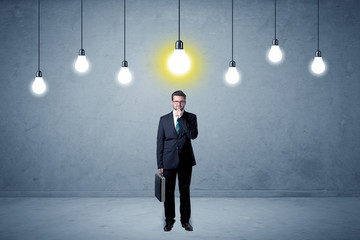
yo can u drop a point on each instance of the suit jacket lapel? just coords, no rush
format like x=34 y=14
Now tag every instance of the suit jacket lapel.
x=181 y=133
x=171 y=119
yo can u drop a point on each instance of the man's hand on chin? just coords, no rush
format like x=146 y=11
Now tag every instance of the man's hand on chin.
x=178 y=113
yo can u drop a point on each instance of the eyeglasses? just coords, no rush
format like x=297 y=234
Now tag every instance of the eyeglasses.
x=181 y=102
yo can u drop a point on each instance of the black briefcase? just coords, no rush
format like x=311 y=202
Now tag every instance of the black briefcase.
x=160 y=187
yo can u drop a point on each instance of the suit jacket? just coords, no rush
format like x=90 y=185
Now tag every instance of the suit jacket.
x=175 y=149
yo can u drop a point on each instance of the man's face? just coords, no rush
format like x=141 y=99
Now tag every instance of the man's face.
x=178 y=102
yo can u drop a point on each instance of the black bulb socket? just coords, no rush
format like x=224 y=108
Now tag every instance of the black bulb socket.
x=39 y=74
x=124 y=63
x=179 y=44
x=81 y=52
x=275 y=42
x=318 y=53
x=232 y=63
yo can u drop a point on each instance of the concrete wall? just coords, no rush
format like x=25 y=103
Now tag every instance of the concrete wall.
x=281 y=131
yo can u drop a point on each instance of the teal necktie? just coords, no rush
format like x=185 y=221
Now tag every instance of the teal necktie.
x=177 y=126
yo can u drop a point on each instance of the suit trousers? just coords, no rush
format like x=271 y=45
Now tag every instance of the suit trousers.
x=184 y=177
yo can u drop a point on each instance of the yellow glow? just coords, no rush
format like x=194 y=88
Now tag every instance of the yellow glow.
x=162 y=53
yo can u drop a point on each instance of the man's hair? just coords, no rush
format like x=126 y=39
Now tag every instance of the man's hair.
x=178 y=93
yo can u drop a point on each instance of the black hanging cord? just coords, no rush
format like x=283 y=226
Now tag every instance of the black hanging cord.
x=81 y=24
x=232 y=30
x=38 y=35
x=179 y=19
x=124 y=31
x=318 y=27
x=275 y=19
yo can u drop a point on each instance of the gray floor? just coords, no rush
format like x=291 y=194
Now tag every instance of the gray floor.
x=212 y=218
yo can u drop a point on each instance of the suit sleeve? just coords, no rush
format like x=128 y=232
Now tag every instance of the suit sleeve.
x=160 y=145
x=190 y=126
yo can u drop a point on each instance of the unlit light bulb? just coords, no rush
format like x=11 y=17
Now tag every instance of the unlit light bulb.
x=124 y=76
x=318 y=65
x=81 y=64
x=38 y=86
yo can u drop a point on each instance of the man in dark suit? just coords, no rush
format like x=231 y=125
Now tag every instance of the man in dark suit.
x=175 y=156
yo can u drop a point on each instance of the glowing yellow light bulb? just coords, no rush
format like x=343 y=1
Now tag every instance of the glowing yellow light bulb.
x=179 y=62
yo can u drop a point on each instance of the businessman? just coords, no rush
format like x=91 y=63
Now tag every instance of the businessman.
x=175 y=157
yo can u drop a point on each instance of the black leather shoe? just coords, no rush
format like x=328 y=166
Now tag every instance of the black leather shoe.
x=168 y=227
x=187 y=226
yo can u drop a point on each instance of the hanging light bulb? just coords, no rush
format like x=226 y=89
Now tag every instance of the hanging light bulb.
x=275 y=54
x=124 y=76
x=38 y=87
x=179 y=63
x=318 y=65
x=81 y=64
x=232 y=75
